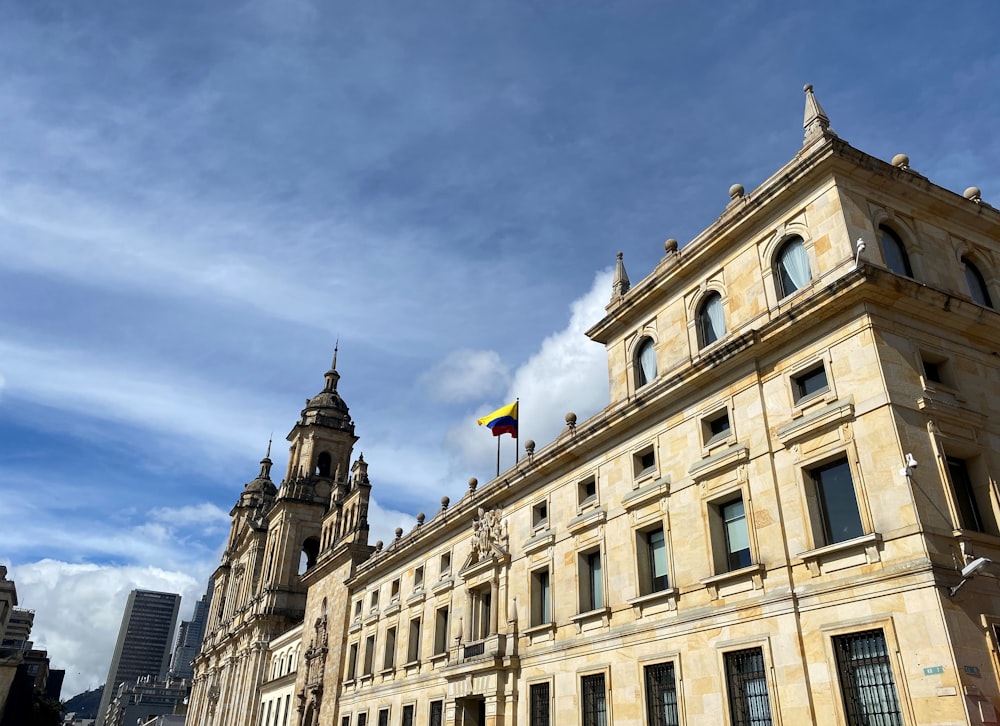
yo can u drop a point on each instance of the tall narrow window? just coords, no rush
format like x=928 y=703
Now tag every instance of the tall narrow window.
x=792 y=266
x=540 y=707
x=369 y=654
x=437 y=713
x=407 y=719
x=747 y=683
x=288 y=702
x=977 y=283
x=363 y=719
x=413 y=642
x=736 y=535
x=594 y=700
x=383 y=717
x=645 y=362
x=661 y=695
x=591 y=582
x=389 y=657
x=837 y=502
x=441 y=631
x=894 y=252
x=711 y=320
x=541 y=598
x=352 y=662
x=866 y=681
x=965 y=495
x=345 y=721
x=652 y=553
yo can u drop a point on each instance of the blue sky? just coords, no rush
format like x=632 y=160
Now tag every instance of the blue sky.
x=197 y=199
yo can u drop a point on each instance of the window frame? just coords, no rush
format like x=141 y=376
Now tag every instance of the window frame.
x=778 y=267
x=800 y=396
x=541 y=597
x=817 y=500
x=600 y=715
x=965 y=499
x=703 y=320
x=592 y=591
x=850 y=705
x=742 y=716
x=722 y=558
x=413 y=640
x=653 y=711
x=886 y=232
x=644 y=377
x=534 y=710
x=712 y=438
x=644 y=462
x=645 y=560
x=980 y=292
x=389 y=649
x=442 y=617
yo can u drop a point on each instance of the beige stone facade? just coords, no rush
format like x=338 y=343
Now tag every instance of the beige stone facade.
x=769 y=522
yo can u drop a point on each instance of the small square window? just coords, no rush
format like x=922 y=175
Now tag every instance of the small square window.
x=587 y=491
x=936 y=369
x=540 y=514
x=445 y=564
x=715 y=428
x=809 y=383
x=644 y=463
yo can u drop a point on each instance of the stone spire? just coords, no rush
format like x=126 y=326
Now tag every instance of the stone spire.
x=816 y=123
x=620 y=285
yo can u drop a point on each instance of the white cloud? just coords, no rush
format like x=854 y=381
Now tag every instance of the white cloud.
x=466 y=375
x=78 y=609
x=568 y=373
x=205 y=514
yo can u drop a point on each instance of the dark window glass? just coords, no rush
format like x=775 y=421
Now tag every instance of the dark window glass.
x=837 y=502
x=383 y=717
x=896 y=258
x=810 y=382
x=661 y=695
x=737 y=537
x=977 y=284
x=866 y=681
x=363 y=719
x=656 y=553
x=437 y=713
x=407 y=719
x=965 y=496
x=595 y=706
x=539 y=705
x=932 y=371
x=747 y=682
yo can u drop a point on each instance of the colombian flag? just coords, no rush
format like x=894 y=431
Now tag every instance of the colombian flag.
x=502 y=421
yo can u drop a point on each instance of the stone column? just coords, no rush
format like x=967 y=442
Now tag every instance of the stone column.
x=494 y=603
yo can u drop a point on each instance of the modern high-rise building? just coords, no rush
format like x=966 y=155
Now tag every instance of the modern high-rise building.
x=189 y=638
x=143 y=647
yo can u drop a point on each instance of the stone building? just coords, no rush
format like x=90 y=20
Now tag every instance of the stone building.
x=787 y=513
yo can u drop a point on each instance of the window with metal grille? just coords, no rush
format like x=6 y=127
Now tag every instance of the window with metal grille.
x=747 y=683
x=866 y=679
x=661 y=695
x=594 y=701
x=407 y=716
x=383 y=717
x=437 y=713
x=539 y=704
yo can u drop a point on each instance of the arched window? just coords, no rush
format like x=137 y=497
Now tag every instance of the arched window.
x=792 y=266
x=645 y=362
x=895 y=253
x=711 y=320
x=323 y=462
x=310 y=550
x=977 y=283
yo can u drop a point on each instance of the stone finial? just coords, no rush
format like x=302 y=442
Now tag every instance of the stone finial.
x=420 y=518
x=816 y=123
x=529 y=447
x=473 y=483
x=736 y=191
x=378 y=545
x=445 y=501
x=399 y=532
x=901 y=161
x=670 y=246
x=571 y=421
x=620 y=285
x=973 y=194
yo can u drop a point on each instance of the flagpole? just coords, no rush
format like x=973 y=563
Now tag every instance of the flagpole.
x=498 y=456
x=517 y=439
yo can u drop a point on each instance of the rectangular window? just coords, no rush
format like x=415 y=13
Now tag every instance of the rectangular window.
x=394 y=591
x=441 y=631
x=352 y=662
x=715 y=428
x=965 y=497
x=541 y=598
x=363 y=719
x=383 y=717
x=436 y=714
x=735 y=534
x=374 y=601
x=418 y=579
x=866 y=681
x=345 y=721
x=661 y=695
x=407 y=719
x=481 y=602
x=836 y=502
x=594 y=700
x=540 y=515
x=591 y=582
x=357 y=609
x=587 y=491
x=288 y=702
x=389 y=657
x=413 y=642
x=809 y=383
x=746 y=680
x=644 y=463
x=540 y=708
x=651 y=548
x=445 y=564
x=369 y=654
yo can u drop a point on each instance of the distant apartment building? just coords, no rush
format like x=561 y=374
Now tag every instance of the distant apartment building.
x=145 y=699
x=189 y=639
x=143 y=647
